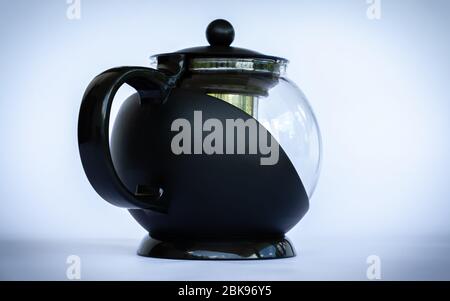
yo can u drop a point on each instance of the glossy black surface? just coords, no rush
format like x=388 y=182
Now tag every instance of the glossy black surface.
x=271 y=248
x=93 y=130
x=220 y=33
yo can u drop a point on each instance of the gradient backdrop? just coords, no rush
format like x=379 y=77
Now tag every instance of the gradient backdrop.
x=379 y=88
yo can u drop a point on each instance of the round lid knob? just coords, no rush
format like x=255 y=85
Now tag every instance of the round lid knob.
x=220 y=33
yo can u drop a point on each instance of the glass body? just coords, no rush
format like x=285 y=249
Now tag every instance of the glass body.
x=262 y=90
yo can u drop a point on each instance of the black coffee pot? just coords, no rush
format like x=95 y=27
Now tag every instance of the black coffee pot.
x=216 y=155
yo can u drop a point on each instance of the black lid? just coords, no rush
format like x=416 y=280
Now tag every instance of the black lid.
x=220 y=35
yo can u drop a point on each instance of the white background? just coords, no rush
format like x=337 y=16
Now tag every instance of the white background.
x=379 y=89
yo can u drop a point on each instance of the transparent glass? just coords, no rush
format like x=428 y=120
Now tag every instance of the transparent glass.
x=287 y=115
x=285 y=112
x=260 y=88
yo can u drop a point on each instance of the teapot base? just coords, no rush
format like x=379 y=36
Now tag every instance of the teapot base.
x=217 y=250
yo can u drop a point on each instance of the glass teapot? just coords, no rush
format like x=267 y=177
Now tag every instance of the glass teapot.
x=216 y=155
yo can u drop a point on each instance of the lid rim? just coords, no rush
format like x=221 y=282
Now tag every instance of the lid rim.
x=191 y=55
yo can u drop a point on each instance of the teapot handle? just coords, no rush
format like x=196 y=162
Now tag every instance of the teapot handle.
x=93 y=131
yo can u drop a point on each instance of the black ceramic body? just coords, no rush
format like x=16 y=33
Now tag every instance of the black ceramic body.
x=215 y=197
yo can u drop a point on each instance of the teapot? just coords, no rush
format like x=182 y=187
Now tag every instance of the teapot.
x=216 y=155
